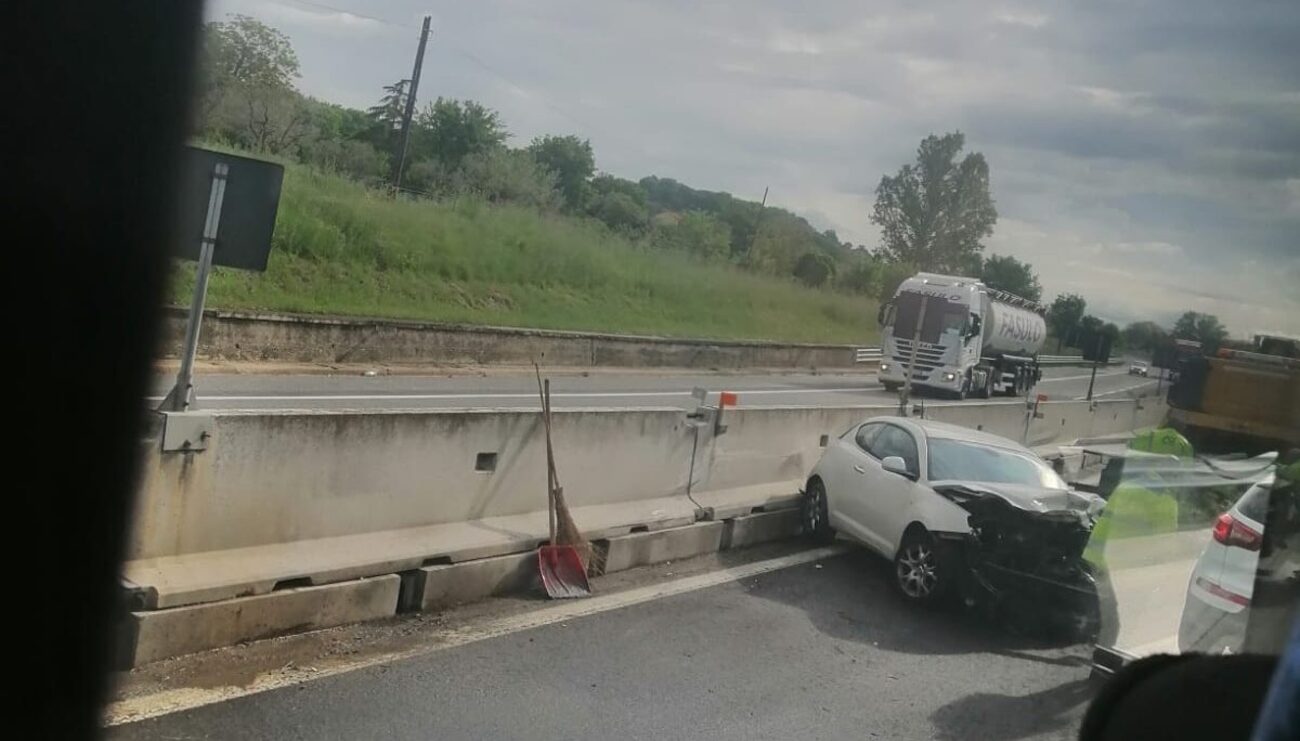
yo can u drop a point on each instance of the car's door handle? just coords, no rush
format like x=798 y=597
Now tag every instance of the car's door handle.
x=860 y=469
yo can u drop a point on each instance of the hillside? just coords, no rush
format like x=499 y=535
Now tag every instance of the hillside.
x=341 y=248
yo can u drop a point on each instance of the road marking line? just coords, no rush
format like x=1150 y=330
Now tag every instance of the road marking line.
x=167 y=702
x=1080 y=378
x=1115 y=391
x=1167 y=645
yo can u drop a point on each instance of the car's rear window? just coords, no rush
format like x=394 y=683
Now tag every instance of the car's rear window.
x=1254 y=503
x=956 y=460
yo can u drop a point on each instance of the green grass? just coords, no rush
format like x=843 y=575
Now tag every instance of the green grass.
x=340 y=248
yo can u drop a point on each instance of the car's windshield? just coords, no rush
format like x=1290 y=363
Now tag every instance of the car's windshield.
x=964 y=461
x=941 y=316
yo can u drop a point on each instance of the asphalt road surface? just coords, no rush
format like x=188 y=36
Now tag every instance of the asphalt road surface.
x=824 y=649
x=621 y=389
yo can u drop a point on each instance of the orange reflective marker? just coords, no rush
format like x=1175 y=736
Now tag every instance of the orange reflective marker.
x=727 y=399
x=1042 y=398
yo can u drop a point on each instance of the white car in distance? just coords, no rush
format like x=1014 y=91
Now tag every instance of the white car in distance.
x=1139 y=368
x=910 y=490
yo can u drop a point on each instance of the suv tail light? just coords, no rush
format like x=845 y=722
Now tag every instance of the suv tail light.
x=1231 y=532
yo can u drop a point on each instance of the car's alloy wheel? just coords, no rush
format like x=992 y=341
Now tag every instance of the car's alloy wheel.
x=816 y=523
x=917 y=570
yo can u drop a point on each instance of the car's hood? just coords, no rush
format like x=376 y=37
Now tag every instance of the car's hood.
x=1036 y=499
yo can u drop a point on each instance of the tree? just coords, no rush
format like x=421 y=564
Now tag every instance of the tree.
x=243 y=53
x=814 y=269
x=503 y=175
x=274 y=121
x=935 y=212
x=1204 y=328
x=1094 y=335
x=451 y=130
x=246 y=85
x=892 y=275
x=1145 y=336
x=1010 y=275
x=606 y=183
x=862 y=274
x=779 y=243
x=697 y=233
x=573 y=163
x=387 y=114
x=1064 y=316
x=619 y=211
x=330 y=121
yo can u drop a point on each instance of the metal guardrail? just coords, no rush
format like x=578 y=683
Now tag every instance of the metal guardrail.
x=1071 y=360
x=867 y=355
x=1060 y=359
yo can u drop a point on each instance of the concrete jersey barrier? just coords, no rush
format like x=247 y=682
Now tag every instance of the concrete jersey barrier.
x=282 y=499
x=292 y=520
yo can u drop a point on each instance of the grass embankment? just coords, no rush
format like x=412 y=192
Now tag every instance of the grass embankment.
x=340 y=248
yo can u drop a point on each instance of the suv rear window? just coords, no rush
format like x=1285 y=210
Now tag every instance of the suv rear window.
x=1254 y=503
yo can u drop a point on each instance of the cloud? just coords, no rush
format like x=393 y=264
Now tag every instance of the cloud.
x=1145 y=154
x=325 y=21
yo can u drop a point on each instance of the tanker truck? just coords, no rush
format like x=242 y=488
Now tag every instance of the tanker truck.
x=969 y=339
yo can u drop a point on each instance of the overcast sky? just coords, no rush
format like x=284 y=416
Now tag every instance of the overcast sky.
x=1144 y=153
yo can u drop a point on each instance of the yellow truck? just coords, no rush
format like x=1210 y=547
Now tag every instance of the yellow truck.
x=1241 y=399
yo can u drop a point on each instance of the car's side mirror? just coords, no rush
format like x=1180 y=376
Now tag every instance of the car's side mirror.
x=895 y=464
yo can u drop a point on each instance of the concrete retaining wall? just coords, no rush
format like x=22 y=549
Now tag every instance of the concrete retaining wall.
x=229 y=335
x=285 y=501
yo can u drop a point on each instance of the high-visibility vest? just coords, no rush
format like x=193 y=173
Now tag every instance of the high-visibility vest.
x=1164 y=441
x=1131 y=511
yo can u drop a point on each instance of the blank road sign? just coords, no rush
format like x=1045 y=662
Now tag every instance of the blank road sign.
x=247 y=213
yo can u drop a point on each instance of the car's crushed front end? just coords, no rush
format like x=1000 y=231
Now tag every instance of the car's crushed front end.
x=1024 y=557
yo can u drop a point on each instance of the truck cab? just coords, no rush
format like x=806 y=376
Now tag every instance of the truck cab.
x=959 y=337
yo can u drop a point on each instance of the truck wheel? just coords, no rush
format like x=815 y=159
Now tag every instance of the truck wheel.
x=1014 y=388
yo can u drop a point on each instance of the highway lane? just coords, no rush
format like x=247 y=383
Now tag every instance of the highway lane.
x=518 y=390
x=817 y=649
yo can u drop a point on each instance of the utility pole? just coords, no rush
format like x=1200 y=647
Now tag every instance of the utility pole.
x=400 y=160
x=757 y=219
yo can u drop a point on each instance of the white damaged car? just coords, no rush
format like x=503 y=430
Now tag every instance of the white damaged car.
x=957 y=510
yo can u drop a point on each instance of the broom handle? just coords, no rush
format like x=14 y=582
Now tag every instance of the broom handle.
x=543 y=397
x=552 y=479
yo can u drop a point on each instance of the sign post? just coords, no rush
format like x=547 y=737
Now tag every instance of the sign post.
x=181 y=397
x=1096 y=357
x=905 y=394
x=228 y=212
